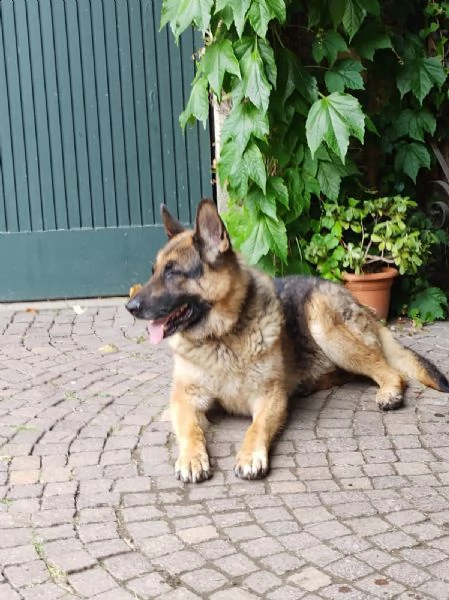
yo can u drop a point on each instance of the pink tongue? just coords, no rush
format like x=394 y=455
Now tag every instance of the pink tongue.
x=156 y=332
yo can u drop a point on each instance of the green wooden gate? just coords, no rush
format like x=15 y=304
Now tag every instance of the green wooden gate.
x=90 y=94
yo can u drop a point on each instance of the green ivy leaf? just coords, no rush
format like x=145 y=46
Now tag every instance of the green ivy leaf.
x=267 y=234
x=198 y=103
x=218 y=59
x=353 y=17
x=257 y=243
x=261 y=12
x=258 y=202
x=239 y=8
x=293 y=76
x=182 y=14
x=267 y=54
x=329 y=176
x=169 y=11
x=428 y=305
x=371 y=37
x=278 y=8
x=332 y=120
x=226 y=15
x=255 y=166
x=415 y=123
x=231 y=169
x=277 y=236
x=420 y=75
x=244 y=121
x=344 y=74
x=337 y=9
x=277 y=187
x=298 y=201
x=255 y=85
x=328 y=46
x=411 y=157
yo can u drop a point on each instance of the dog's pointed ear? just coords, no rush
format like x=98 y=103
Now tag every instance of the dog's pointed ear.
x=210 y=232
x=171 y=225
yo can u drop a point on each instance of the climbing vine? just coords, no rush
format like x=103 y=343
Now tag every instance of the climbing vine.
x=328 y=98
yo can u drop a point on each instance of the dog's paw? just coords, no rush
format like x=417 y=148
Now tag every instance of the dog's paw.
x=251 y=465
x=193 y=468
x=389 y=399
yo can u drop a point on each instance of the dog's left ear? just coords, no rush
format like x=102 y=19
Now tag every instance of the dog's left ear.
x=210 y=232
x=171 y=225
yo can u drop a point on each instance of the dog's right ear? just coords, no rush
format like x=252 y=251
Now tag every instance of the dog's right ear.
x=210 y=233
x=171 y=225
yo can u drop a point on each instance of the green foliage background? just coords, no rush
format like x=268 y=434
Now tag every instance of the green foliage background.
x=329 y=99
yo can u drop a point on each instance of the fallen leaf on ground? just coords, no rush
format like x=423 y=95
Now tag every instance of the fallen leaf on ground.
x=79 y=310
x=108 y=349
x=134 y=289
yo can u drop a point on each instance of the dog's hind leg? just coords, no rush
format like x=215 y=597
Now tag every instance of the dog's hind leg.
x=188 y=424
x=349 y=337
x=269 y=413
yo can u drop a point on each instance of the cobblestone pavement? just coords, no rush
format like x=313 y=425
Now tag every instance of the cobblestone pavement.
x=356 y=505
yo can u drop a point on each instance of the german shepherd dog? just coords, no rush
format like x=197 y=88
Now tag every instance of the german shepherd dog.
x=249 y=342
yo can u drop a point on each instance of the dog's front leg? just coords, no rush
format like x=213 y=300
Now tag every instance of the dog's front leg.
x=193 y=461
x=269 y=414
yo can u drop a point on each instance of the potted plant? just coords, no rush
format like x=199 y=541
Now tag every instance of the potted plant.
x=367 y=243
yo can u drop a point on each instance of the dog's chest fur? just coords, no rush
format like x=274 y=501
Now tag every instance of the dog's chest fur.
x=239 y=365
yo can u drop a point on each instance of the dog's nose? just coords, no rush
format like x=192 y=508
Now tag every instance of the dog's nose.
x=133 y=305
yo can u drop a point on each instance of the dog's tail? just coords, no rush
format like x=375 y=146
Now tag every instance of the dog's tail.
x=411 y=364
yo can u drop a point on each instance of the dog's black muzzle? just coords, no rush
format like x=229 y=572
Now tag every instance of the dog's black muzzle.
x=134 y=306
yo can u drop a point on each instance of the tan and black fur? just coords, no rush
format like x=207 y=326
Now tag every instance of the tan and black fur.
x=249 y=342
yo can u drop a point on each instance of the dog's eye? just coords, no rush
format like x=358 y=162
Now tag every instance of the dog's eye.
x=171 y=269
x=152 y=269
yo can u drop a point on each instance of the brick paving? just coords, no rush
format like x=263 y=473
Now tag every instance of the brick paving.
x=356 y=506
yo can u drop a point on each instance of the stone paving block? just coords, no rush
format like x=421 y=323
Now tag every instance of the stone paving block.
x=261 y=582
x=17 y=555
x=29 y=573
x=394 y=540
x=297 y=541
x=43 y=591
x=366 y=526
x=407 y=574
x=245 y=532
x=127 y=566
x=204 y=581
x=7 y=593
x=337 y=591
x=436 y=589
x=149 y=586
x=282 y=563
x=215 y=549
x=91 y=582
x=328 y=530
x=320 y=555
x=316 y=514
x=237 y=564
x=161 y=545
x=196 y=535
x=350 y=544
x=380 y=586
x=74 y=560
x=310 y=579
x=107 y=548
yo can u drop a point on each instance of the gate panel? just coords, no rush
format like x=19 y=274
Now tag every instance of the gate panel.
x=90 y=95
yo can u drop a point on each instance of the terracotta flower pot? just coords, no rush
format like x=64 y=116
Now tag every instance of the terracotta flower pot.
x=372 y=289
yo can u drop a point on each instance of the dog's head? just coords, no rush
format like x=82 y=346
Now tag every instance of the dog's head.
x=191 y=275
